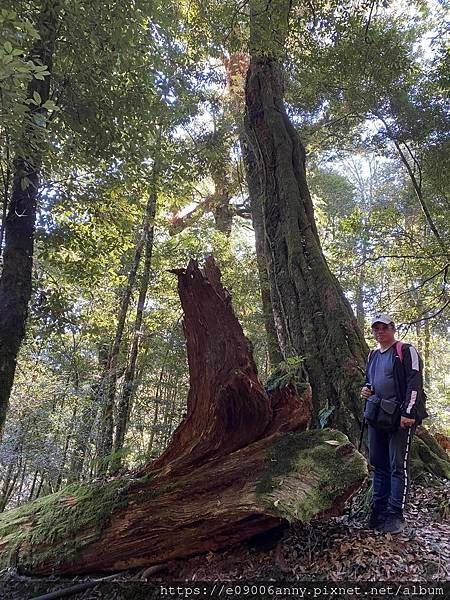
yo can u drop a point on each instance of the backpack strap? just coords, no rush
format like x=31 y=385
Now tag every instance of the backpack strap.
x=399 y=350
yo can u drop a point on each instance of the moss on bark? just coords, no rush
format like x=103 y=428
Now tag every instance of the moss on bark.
x=60 y=524
x=312 y=456
x=424 y=460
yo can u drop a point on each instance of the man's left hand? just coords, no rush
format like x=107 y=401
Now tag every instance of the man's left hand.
x=405 y=422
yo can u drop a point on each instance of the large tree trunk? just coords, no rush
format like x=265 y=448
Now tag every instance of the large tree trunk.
x=274 y=324
x=236 y=68
x=319 y=321
x=15 y=281
x=237 y=465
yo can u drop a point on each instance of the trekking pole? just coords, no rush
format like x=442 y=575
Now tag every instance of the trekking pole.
x=361 y=437
x=364 y=422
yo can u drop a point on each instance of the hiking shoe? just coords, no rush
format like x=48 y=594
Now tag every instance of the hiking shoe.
x=393 y=524
x=376 y=520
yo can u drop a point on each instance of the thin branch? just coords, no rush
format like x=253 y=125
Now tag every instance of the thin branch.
x=382 y=256
x=416 y=184
x=433 y=316
x=366 y=30
x=420 y=285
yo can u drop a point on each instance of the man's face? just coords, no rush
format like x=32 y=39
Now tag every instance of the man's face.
x=384 y=334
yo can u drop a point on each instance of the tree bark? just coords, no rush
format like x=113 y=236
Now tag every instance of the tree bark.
x=320 y=325
x=123 y=407
x=84 y=433
x=236 y=68
x=109 y=381
x=237 y=465
x=275 y=331
x=15 y=281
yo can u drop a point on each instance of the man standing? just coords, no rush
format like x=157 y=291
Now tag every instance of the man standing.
x=394 y=371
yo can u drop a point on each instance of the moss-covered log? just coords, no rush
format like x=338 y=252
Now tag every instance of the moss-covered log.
x=238 y=464
x=121 y=524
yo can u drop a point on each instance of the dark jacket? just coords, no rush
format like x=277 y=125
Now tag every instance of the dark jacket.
x=408 y=377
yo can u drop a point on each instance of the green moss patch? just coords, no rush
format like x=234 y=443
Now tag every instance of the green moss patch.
x=59 y=525
x=307 y=471
x=425 y=462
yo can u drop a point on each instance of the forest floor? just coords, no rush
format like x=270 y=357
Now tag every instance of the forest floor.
x=341 y=549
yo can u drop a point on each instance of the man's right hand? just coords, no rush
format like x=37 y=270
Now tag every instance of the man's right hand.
x=366 y=392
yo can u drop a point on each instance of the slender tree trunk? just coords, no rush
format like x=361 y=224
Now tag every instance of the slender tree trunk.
x=83 y=434
x=360 y=310
x=320 y=325
x=427 y=353
x=22 y=481
x=108 y=386
x=8 y=485
x=6 y=180
x=69 y=435
x=41 y=483
x=123 y=408
x=33 y=485
x=15 y=281
x=156 y=412
x=167 y=403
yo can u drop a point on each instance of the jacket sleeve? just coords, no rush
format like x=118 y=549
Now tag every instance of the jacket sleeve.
x=412 y=368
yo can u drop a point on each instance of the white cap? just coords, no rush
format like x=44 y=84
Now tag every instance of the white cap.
x=382 y=318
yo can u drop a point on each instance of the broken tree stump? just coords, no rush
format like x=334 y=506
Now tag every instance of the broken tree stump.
x=237 y=465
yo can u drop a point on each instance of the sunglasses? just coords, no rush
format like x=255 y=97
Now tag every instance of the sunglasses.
x=380 y=327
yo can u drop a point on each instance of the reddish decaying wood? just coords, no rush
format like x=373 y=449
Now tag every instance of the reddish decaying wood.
x=214 y=506
x=443 y=441
x=227 y=406
x=291 y=412
x=215 y=484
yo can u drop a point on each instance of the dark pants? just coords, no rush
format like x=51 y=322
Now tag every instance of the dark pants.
x=389 y=456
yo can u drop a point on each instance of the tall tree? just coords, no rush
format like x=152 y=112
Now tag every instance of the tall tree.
x=123 y=405
x=320 y=326
x=15 y=281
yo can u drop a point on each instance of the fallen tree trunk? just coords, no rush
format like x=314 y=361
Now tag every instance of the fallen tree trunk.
x=237 y=465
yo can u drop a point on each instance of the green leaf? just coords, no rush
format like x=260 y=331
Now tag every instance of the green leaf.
x=49 y=105
x=324 y=416
x=8 y=47
x=37 y=98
